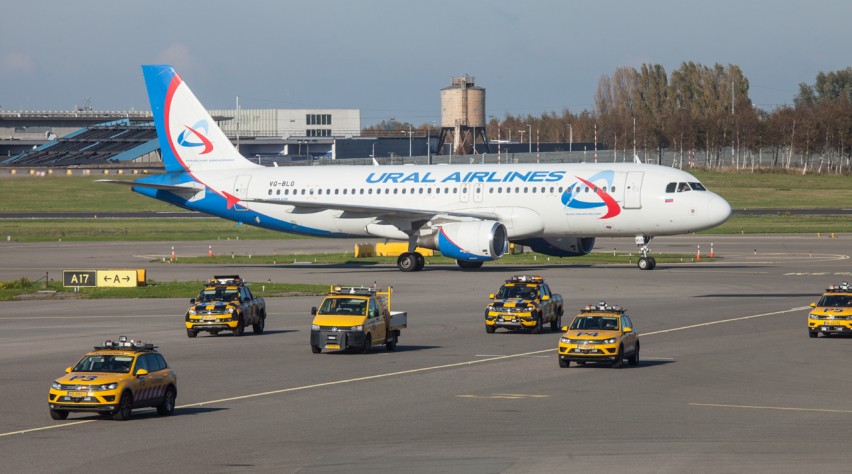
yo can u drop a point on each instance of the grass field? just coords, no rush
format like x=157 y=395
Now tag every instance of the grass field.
x=82 y=193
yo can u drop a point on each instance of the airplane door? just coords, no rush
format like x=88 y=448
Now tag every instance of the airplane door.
x=633 y=190
x=241 y=185
x=477 y=189
x=463 y=192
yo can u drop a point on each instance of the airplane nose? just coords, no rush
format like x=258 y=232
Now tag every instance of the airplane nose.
x=718 y=210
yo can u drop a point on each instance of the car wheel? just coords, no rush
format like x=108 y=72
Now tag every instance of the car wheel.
x=191 y=333
x=490 y=329
x=240 y=329
x=316 y=349
x=58 y=414
x=258 y=327
x=167 y=407
x=633 y=360
x=556 y=323
x=812 y=333
x=619 y=359
x=125 y=406
x=537 y=328
x=564 y=363
x=368 y=341
x=391 y=343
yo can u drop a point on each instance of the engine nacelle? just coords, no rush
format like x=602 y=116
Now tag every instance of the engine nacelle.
x=471 y=241
x=561 y=246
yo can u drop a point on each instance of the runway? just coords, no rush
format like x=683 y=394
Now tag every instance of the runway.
x=729 y=380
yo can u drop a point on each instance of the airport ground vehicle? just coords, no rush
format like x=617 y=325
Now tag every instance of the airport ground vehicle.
x=524 y=302
x=225 y=303
x=600 y=333
x=832 y=314
x=356 y=318
x=114 y=379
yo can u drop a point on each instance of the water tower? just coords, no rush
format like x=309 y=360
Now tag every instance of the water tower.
x=463 y=115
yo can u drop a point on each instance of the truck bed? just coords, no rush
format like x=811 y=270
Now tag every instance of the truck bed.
x=398 y=320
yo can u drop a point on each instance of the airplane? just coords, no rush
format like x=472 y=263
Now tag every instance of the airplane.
x=468 y=212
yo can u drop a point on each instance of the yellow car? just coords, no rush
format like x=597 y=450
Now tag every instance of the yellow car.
x=832 y=314
x=114 y=379
x=600 y=333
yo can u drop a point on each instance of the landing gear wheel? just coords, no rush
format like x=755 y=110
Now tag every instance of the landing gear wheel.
x=653 y=262
x=316 y=349
x=58 y=414
x=167 y=407
x=421 y=261
x=391 y=343
x=812 y=333
x=490 y=329
x=633 y=360
x=564 y=363
x=644 y=263
x=125 y=406
x=258 y=327
x=407 y=262
x=537 y=328
x=240 y=329
x=619 y=361
x=368 y=341
x=191 y=333
x=469 y=264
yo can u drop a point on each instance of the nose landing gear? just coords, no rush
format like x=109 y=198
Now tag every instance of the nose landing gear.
x=645 y=262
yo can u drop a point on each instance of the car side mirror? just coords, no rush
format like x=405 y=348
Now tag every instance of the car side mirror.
x=68 y=370
x=491 y=296
x=628 y=330
x=813 y=305
x=314 y=311
x=192 y=301
x=141 y=372
x=564 y=328
x=545 y=298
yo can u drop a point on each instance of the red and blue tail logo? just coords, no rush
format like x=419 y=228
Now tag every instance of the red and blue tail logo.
x=196 y=136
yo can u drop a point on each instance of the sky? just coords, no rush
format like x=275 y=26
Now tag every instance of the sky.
x=390 y=59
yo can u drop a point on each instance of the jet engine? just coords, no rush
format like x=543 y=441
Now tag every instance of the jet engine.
x=470 y=241
x=560 y=246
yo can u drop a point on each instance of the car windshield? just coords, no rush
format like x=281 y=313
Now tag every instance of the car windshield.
x=835 y=301
x=355 y=306
x=118 y=364
x=217 y=294
x=595 y=322
x=508 y=292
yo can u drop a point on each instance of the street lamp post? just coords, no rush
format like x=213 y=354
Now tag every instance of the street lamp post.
x=570 y=138
x=522 y=132
x=530 y=138
x=409 y=139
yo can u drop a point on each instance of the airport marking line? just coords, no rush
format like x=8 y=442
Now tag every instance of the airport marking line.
x=715 y=405
x=411 y=371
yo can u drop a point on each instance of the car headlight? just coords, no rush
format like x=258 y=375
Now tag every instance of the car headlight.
x=231 y=309
x=315 y=327
x=357 y=328
x=813 y=316
x=530 y=307
x=609 y=341
x=109 y=386
x=489 y=308
x=192 y=311
x=564 y=340
x=55 y=386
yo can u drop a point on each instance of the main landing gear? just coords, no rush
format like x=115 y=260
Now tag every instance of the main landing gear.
x=645 y=262
x=411 y=262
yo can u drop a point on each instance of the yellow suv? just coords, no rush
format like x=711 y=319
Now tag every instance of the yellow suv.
x=832 y=314
x=114 y=379
x=600 y=333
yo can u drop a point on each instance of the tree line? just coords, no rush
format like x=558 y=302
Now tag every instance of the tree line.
x=699 y=112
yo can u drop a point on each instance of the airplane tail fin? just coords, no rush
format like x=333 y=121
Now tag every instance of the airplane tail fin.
x=189 y=138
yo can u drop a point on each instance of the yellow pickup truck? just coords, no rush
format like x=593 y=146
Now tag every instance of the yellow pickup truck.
x=356 y=318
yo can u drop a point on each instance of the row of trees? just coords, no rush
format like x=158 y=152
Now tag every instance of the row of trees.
x=703 y=112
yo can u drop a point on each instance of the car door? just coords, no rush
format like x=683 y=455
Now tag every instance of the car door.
x=152 y=383
x=377 y=322
x=248 y=307
x=629 y=338
x=547 y=306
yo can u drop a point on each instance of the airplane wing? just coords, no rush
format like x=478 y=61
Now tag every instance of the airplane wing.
x=378 y=211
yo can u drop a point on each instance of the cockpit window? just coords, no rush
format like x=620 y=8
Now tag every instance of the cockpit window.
x=683 y=187
x=670 y=188
x=698 y=186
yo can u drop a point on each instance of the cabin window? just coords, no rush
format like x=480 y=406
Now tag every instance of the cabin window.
x=303 y=192
x=319 y=191
x=311 y=192
x=455 y=190
x=420 y=190
x=370 y=191
x=518 y=189
x=270 y=192
x=429 y=191
x=361 y=191
x=508 y=190
x=526 y=189
x=612 y=189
